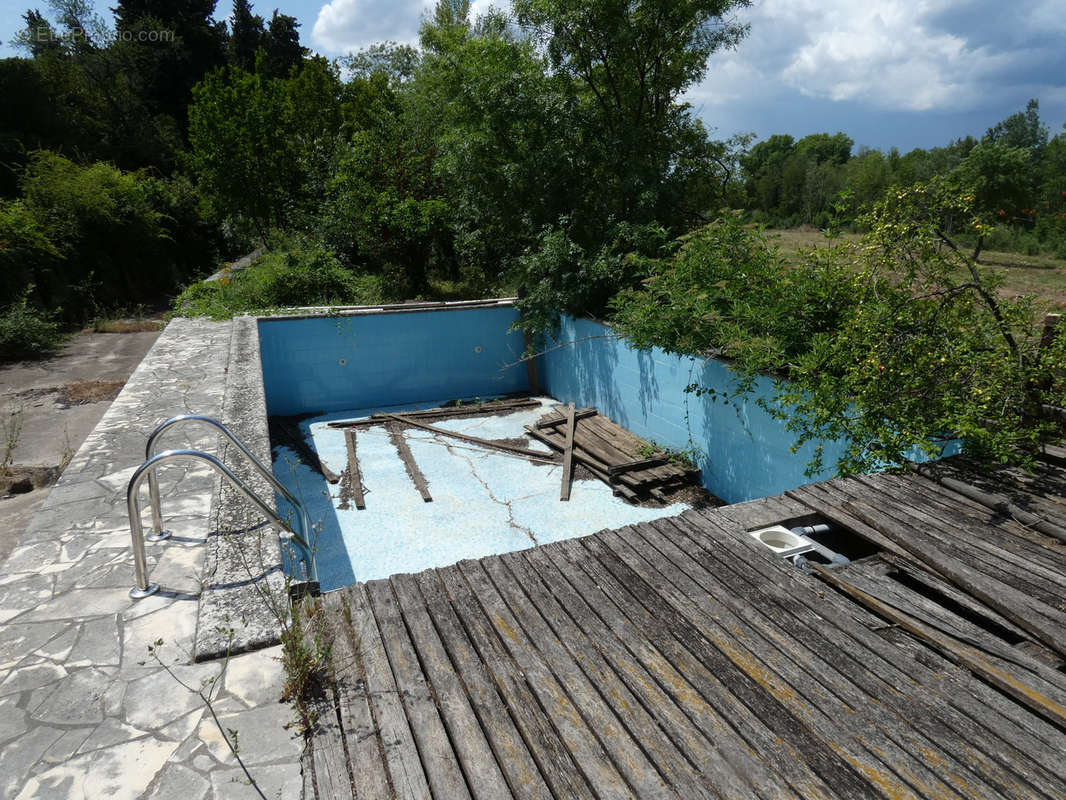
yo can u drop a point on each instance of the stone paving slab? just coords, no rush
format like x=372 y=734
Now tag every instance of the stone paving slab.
x=84 y=713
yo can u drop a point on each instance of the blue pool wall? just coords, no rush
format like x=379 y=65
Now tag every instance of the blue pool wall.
x=744 y=452
x=332 y=363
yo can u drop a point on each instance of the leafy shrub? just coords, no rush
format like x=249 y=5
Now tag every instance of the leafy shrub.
x=27 y=252
x=27 y=332
x=896 y=345
x=93 y=238
x=311 y=277
x=558 y=274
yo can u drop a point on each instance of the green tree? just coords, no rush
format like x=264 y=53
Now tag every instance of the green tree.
x=246 y=35
x=764 y=167
x=629 y=64
x=998 y=179
x=1022 y=129
x=284 y=53
x=177 y=43
x=260 y=147
x=241 y=148
x=898 y=346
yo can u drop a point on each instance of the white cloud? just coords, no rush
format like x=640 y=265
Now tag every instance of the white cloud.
x=890 y=54
x=344 y=26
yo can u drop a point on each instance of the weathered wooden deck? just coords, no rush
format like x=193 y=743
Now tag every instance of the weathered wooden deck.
x=681 y=659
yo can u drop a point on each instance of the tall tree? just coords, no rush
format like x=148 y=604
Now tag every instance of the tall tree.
x=282 y=44
x=631 y=62
x=176 y=43
x=1022 y=129
x=246 y=35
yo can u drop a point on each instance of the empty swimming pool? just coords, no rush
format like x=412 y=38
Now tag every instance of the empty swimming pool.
x=318 y=369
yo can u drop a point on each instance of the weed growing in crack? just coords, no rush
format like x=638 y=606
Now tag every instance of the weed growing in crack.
x=208 y=692
x=305 y=658
x=11 y=428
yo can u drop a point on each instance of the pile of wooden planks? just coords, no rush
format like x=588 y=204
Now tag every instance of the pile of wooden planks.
x=622 y=460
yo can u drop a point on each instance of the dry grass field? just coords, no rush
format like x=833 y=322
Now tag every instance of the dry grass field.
x=1040 y=275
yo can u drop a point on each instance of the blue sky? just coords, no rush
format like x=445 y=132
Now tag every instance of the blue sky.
x=905 y=73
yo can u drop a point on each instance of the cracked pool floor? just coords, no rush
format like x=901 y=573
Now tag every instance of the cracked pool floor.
x=484 y=502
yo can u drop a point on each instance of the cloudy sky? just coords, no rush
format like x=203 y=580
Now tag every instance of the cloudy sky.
x=905 y=73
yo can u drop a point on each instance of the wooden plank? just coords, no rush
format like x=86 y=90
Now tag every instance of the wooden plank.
x=957 y=512
x=399 y=441
x=629 y=442
x=1019 y=731
x=873 y=711
x=325 y=762
x=638 y=465
x=359 y=721
x=970 y=657
x=722 y=761
x=631 y=709
x=839 y=507
x=593 y=465
x=817 y=498
x=532 y=373
x=957 y=531
x=519 y=766
x=476 y=757
x=568 y=453
x=494 y=445
x=439 y=760
x=555 y=421
x=1003 y=504
x=406 y=774
x=564 y=776
x=307 y=774
x=1039 y=619
x=600 y=432
x=595 y=447
x=973 y=544
x=979 y=714
x=580 y=736
x=469 y=410
x=1053 y=454
x=936 y=584
x=637 y=748
x=354 y=478
x=358 y=727
x=881 y=586
x=327 y=766
x=764 y=512
x=285 y=431
x=696 y=674
x=974 y=509
x=827 y=703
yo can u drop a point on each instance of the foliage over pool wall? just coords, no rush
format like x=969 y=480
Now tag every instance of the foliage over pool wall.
x=744 y=452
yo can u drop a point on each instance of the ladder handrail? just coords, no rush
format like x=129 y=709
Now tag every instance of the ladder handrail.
x=133 y=506
x=153 y=483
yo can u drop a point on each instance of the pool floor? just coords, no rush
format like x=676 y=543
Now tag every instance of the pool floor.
x=484 y=502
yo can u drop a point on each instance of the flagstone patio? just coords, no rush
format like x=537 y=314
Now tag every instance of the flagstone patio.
x=85 y=711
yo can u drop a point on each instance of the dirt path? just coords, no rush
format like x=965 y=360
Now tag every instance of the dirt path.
x=47 y=408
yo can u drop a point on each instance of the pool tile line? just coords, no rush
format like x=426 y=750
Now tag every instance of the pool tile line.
x=84 y=712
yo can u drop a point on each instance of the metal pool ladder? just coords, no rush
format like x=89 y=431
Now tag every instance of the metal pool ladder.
x=301 y=538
